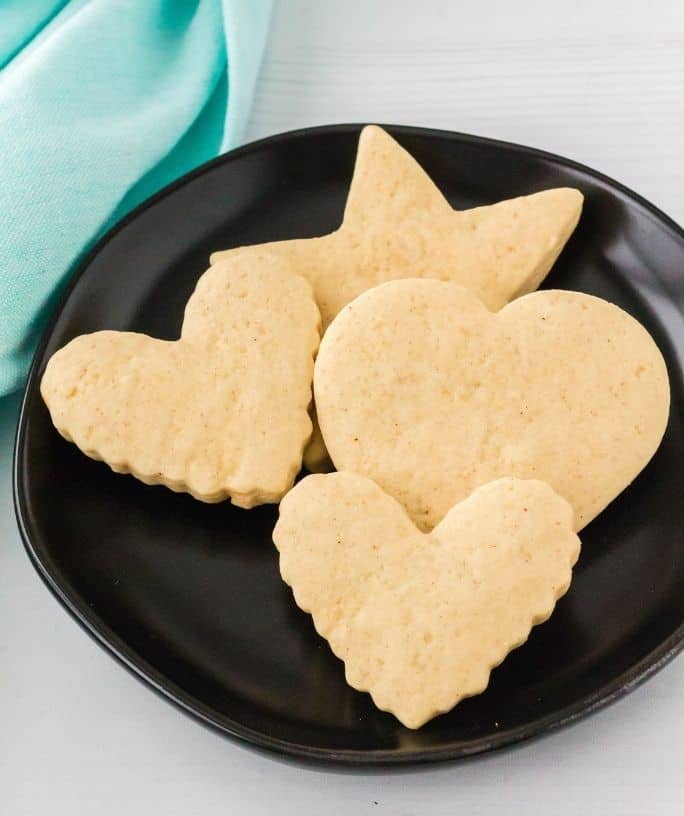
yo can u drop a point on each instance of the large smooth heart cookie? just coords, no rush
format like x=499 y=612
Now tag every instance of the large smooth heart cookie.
x=397 y=224
x=421 y=619
x=221 y=412
x=419 y=387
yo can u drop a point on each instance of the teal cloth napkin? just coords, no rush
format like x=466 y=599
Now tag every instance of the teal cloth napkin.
x=102 y=102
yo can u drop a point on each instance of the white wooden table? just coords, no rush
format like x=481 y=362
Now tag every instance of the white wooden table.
x=601 y=82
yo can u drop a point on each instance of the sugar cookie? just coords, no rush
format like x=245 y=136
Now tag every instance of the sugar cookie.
x=222 y=412
x=421 y=619
x=419 y=387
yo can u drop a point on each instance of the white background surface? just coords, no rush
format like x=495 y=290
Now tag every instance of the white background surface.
x=78 y=734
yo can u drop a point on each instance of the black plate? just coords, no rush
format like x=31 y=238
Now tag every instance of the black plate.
x=188 y=595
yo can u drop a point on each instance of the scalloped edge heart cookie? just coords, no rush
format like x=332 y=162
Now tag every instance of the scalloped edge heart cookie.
x=421 y=619
x=221 y=412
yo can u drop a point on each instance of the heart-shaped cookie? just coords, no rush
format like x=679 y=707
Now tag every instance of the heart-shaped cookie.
x=421 y=619
x=222 y=412
x=419 y=387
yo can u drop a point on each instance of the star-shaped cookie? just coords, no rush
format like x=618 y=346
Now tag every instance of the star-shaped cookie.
x=397 y=224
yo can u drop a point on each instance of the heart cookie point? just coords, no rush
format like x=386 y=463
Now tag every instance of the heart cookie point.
x=421 y=619
x=422 y=389
x=222 y=412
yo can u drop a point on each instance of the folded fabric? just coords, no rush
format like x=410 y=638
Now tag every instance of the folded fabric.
x=102 y=102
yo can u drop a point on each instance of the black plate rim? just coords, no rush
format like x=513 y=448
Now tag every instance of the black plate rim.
x=626 y=682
